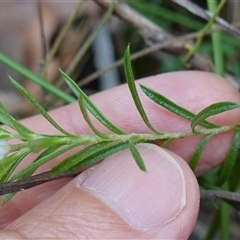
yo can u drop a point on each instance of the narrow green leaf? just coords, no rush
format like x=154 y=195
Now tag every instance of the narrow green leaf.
x=227 y=165
x=82 y=106
x=211 y=110
x=8 y=197
x=132 y=87
x=4 y=134
x=9 y=164
x=136 y=155
x=48 y=152
x=38 y=106
x=72 y=85
x=35 y=78
x=30 y=169
x=99 y=155
x=74 y=159
x=198 y=152
x=173 y=107
x=90 y=105
x=10 y=121
x=46 y=156
x=166 y=143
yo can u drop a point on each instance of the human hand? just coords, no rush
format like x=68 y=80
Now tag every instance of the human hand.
x=114 y=199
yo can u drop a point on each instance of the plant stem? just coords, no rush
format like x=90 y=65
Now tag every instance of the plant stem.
x=203 y=32
x=216 y=43
x=224 y=217
x=16 y=186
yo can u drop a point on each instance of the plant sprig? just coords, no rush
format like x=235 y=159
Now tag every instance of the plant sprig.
x=100 y=145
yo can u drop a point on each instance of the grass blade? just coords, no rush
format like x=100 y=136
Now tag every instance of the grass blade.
x=173 y=107
x=90 y=105
x=35 y=78
x=226 y=167
x=133 y=89
x=38 y=106
x=211 y=110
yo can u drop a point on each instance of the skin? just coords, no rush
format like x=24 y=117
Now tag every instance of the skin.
x=114 y=199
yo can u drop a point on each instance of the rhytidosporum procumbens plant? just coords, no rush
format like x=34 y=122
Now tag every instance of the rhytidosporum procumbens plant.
x=100 y=145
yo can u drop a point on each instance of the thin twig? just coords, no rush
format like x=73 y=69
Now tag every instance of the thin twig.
x=141 y=53
x=235 y=196
x=17 y=186
x=198 y=11
x=152 y=33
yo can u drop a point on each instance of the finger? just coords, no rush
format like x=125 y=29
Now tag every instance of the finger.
x=192 y=90
x=115 y=200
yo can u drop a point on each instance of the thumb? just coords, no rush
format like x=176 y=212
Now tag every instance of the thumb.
x=114 y=199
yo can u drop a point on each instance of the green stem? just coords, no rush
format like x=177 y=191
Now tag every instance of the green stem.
x=42 y=141
x=212 y=229
x=217 y=43
x=203 y=32
x=83 y=139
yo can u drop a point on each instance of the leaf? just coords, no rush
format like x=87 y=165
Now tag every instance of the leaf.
x=166 y=143
x=10 y=121
x=133 y=89
x=102 y=153
x=90 y=105
x=46 y=156
x=136 y=155
x=211 y=110
x=76 y=158
x=4 y=134
x=35 y=78
x=38 y=106
x=9 y=164
x=30 y=169
x=226 y=167
x=8 y=197
x=198 y=152
x=173 y=107
x=87 y=119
